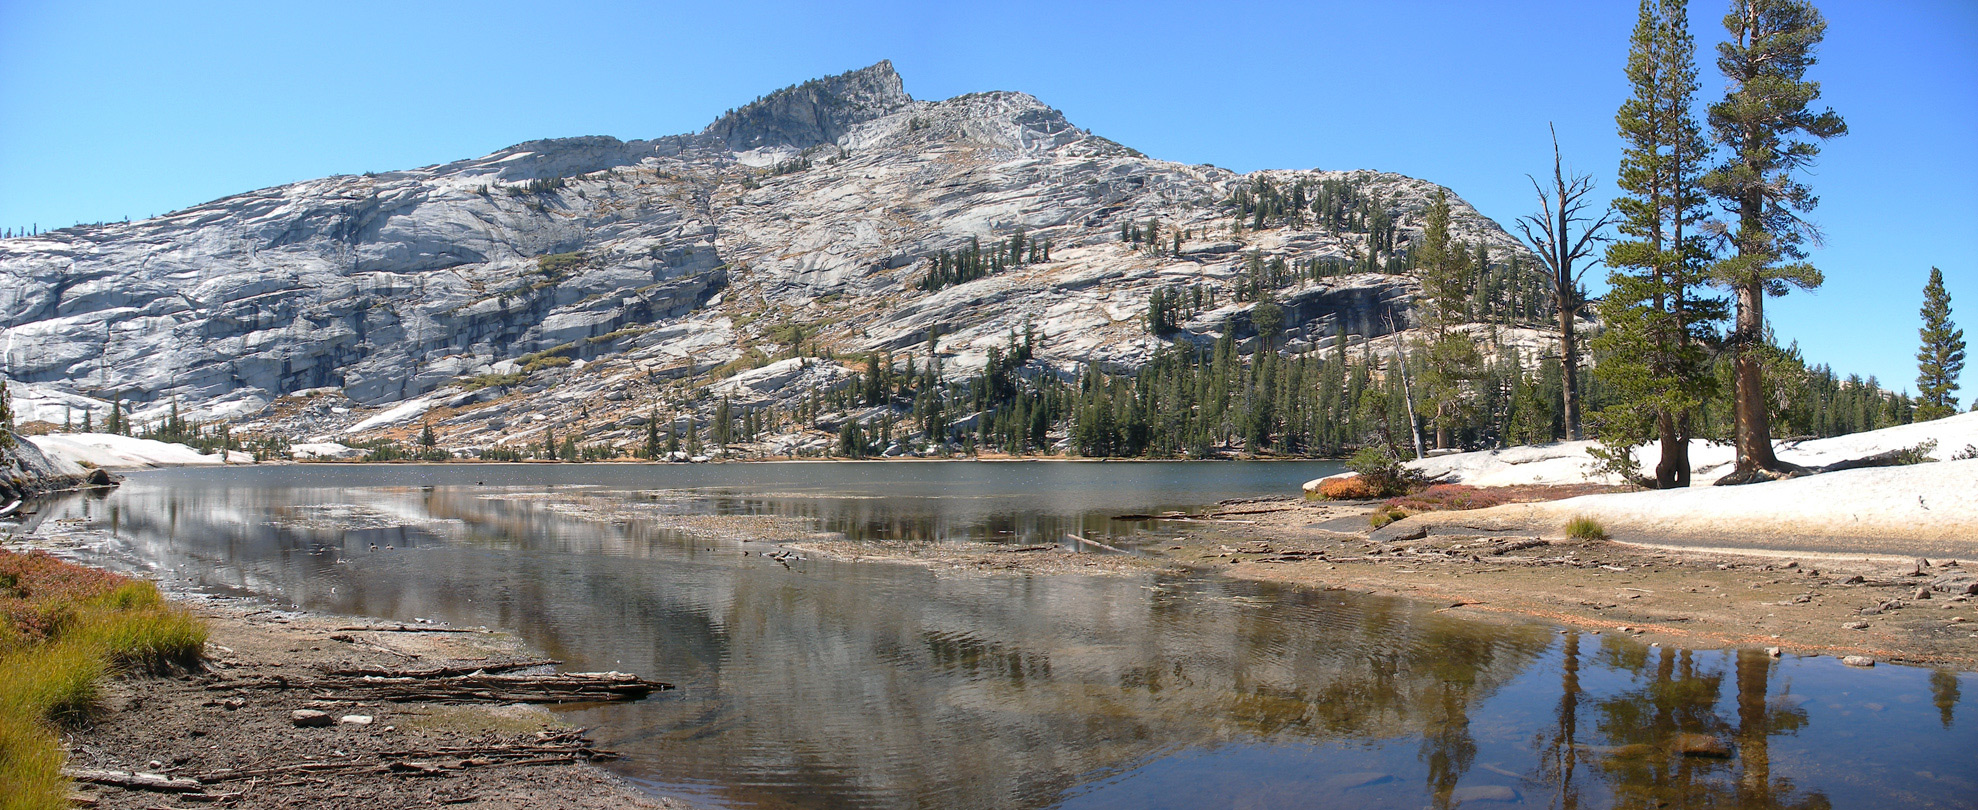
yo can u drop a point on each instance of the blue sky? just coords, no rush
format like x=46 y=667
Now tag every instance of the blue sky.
x=125 y=109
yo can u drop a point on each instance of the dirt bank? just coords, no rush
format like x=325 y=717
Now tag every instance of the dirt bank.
x=232 y=727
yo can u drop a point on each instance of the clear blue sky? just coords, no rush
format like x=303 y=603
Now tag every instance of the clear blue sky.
x=115 y=109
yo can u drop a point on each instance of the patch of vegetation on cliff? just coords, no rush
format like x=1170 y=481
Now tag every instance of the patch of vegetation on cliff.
x=63 y=629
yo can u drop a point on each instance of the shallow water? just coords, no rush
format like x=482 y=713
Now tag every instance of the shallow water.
x=825 y=684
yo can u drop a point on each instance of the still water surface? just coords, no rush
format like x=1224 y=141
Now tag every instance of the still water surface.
x=825 y=684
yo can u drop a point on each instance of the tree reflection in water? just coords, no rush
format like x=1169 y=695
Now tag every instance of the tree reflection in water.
x=1668 y=741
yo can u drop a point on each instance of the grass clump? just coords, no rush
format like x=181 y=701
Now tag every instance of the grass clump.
x=63 y=629
x=1582 y=527
x=1386 y=514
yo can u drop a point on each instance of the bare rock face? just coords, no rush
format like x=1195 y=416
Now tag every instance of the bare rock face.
x=819 y=111
x=589 y=275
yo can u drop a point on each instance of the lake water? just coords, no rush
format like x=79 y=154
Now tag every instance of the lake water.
x=827 y=684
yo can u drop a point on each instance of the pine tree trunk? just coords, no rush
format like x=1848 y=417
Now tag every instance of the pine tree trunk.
x=1754 y=423
x=1674 y=463
x=1684 y=433
x=1569 y=351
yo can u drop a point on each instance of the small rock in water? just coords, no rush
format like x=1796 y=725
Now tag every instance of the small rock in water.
x=1700 y=745
x=355 y=719
x=1775 y=652
x=309 y=717
x=1922 y=593
x=1858 y=661
x=1348 y=781
x=1856 y=625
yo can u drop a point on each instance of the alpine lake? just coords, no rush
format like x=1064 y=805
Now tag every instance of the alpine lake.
x=806 y=682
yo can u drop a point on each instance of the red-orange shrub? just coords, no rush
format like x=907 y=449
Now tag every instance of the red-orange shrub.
x=1348 y=488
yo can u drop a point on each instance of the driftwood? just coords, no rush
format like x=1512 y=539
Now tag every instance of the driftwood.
x=425 y=762
x=408 y=628
x=130 y=780
x=477 y=687
x=441 y=672
x=1229 y=512
x=1084 y=541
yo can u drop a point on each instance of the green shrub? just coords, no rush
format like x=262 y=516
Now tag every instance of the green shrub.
x=1382 y=473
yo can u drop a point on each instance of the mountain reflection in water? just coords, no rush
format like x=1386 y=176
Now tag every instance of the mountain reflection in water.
x=827 y=684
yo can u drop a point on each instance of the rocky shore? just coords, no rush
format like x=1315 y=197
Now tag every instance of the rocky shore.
x=266 y=724
x=26 y=472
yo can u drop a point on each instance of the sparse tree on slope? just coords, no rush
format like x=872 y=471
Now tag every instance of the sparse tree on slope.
x=6 y=416
x=1766 y=123
x=1562 y=208
x=1942 y=357
x=1653 y=346
x=1453 y=365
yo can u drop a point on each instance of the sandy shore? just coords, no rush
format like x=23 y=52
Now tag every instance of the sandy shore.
x=231 y=727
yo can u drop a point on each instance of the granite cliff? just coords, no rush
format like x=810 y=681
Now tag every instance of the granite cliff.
x=586 y=281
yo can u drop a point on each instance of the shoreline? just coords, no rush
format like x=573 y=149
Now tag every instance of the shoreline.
x=1819 y=603
x=232 y=727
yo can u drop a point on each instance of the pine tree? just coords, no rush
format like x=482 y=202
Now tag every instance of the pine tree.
x=652 y=448
x=1452 y=364
x=426 y=437
x=1653 y=346
x=1766 y=123
x=1941 y=358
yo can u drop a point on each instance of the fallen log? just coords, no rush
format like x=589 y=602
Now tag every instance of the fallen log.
x=440 y=672
x=1229 y=512
x=409 y=628
x=130 y=780
x=476 y=687
x=572 y=687
x=449 y=758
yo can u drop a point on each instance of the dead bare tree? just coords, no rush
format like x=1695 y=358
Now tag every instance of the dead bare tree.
x=1550 y=233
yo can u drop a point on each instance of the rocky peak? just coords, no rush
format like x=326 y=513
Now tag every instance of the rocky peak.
x=816 y=112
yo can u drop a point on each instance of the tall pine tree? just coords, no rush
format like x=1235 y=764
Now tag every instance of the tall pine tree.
x=1770 y=131
x=1453 y=365
x=1941 y=358
x=1652 y=351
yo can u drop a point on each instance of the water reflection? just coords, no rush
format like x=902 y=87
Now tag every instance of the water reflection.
x=821 y=684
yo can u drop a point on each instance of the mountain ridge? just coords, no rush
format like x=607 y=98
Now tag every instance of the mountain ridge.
x=822 y=206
